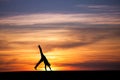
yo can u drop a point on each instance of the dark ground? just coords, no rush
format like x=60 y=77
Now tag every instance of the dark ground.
x=60 y=75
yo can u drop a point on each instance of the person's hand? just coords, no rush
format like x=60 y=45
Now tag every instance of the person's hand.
x=39 y=46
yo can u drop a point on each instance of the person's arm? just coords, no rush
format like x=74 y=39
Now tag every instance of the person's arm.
x=40 y=50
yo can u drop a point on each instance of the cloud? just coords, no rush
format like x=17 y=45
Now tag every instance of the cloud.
x=66 y=40
x=4 y=45
x=64 y=37
x=11 y=61
x=57 y=18
x=93 y=6
x=88 y=36
x=106 y=8
x=80 y=43
x=96 y=65
x=79 y=37
x=13 y=64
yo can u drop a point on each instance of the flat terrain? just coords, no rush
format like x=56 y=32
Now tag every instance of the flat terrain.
x=59 y=75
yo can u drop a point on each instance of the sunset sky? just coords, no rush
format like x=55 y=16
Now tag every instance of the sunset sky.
x=74 y=34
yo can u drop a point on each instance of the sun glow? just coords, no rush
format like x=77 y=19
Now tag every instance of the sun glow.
x=52 y=68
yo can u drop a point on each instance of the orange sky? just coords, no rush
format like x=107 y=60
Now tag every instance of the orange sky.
x=66 y=48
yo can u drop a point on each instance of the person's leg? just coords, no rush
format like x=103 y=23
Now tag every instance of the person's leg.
x=50 y=68
x=45 y=68
x=38 y=64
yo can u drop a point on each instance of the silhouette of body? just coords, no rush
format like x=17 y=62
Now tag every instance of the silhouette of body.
x=43 y=58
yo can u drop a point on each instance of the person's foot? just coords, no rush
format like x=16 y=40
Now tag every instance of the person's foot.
x=35 y=68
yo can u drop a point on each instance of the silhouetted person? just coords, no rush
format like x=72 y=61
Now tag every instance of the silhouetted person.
x=43 y=58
